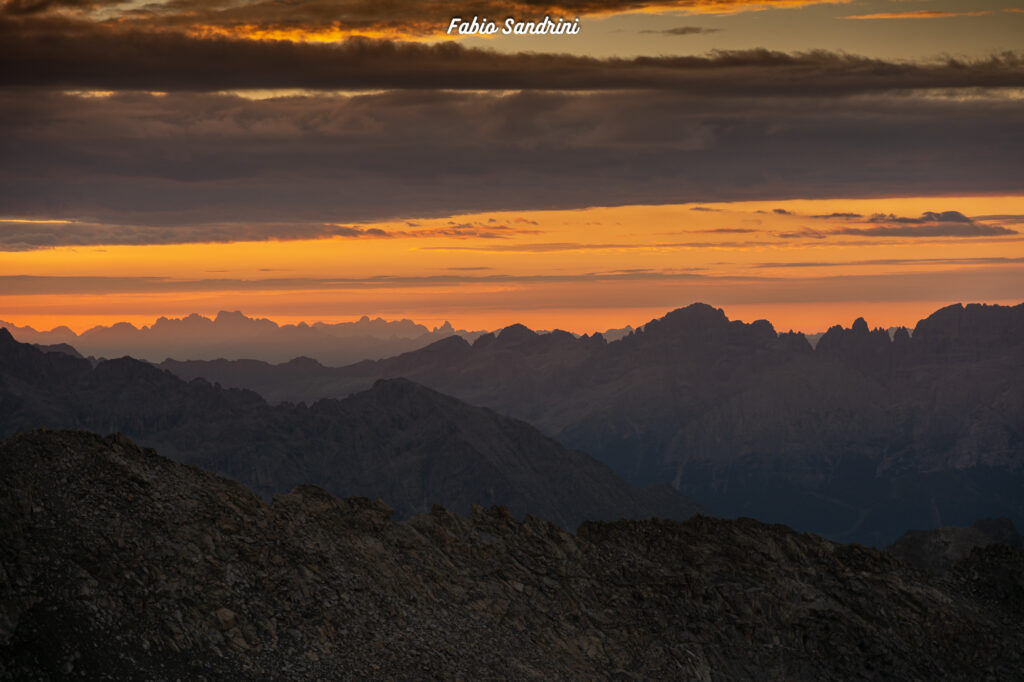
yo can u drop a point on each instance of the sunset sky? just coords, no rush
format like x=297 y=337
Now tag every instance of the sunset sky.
x=804 y=162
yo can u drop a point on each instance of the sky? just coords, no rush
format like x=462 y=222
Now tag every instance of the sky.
x=804 y=162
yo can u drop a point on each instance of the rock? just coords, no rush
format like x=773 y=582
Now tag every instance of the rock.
x=225 y=618
x=312 y=587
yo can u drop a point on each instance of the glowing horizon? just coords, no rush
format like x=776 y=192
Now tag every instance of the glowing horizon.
x=322 y=161
x=891 y=259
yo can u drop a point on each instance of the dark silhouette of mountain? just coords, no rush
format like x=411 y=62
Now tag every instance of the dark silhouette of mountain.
x=399 y=441
x=234 y=335
x=859 y=438
x=118 y=563
x=58 y=348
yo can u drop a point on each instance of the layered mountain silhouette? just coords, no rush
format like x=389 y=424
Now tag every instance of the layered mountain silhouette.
x=119 y=563
x=399 y=441
x=858 y=438
x=235 y=335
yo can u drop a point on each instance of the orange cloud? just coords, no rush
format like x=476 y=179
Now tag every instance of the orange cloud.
x=335 y=33
x=919 y=14
x=315 y=21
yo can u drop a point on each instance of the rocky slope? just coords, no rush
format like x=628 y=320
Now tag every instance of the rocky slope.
x=859 y=438
x=399 y=441
x=120 y=564
x=939 y=550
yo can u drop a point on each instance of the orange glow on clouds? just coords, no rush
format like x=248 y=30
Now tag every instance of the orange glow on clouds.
x=792 y=262
x=919 y=14
x=317 y=34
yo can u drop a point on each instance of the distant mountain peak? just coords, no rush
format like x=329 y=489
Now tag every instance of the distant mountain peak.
x=516 y=332
x=695 y=315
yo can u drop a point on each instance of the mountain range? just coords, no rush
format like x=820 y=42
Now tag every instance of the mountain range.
x=235 y=335
x=858 y=438
x=121 y=564
x=398 y=441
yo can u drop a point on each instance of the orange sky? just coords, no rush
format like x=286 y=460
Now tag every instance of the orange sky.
x=582 y=270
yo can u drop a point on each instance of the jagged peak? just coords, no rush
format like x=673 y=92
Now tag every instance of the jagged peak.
x=697 y=311
x=694 y=316
x=516 y=332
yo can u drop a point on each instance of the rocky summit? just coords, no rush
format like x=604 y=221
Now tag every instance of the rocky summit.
x=116 y=563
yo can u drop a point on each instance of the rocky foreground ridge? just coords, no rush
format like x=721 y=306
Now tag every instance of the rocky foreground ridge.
x=118 y=563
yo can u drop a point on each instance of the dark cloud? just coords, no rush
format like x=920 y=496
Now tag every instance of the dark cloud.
x=930 y=224
x=29 y=285
x=29 y=236
x=838 y=215
x=781 y=211
x=683 y=30
x=30 y=7
x=933 y=230
x=187 y=159
x=471 y=230
x=928 y=217
x=1011 y=218
x=804 y=233
x=397 y=17
x=964 y=284
x=69 y=54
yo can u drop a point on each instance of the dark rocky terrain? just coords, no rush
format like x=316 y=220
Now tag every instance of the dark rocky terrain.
x=859 y=438
x=399 y=441
x=117 y=563
x=940 y=549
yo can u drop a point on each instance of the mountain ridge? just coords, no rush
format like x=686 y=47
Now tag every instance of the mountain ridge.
x=233 y=334
x=119 y=562
x=748 y=421
x=405 y=443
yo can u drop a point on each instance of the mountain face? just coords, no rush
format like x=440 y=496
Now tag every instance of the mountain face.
x=859 y=438
x=118 y=563
x=234 y=335
x=398 y=441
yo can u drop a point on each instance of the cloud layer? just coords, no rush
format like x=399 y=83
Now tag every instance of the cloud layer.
x=293 y=165
x=76 y=54
x=317 y=19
